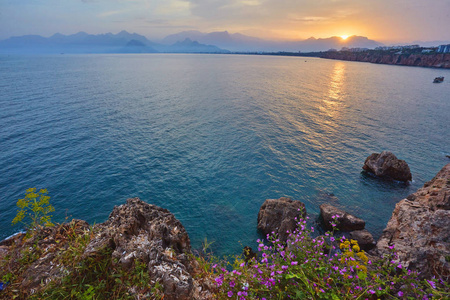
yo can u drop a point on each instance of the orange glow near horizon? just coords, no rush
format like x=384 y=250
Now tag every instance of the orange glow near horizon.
x=344 y=37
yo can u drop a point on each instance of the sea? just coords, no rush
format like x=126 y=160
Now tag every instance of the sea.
x=211 y=137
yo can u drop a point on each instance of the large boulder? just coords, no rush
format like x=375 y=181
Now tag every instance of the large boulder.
x=345 y=221
x=419 y=228
x=151 y=234
x=386 y=164
x=280 y=216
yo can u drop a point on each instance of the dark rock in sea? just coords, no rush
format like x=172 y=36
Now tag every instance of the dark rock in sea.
x=137 y=230
x=419 y=228
x=279 y=216
x=346 y=221
x=386 y=164
x=364 y=238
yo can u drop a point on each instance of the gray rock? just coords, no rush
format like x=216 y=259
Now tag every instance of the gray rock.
x=364 y=238
x=137 y=230
x=278 y=215
x=419 y=228
x=346 y=221
x=386 y=164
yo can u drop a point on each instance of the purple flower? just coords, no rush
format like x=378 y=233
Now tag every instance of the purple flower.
x=372 y=291
x=230 y=294
x=400 y=294
x=219 y=280
x=294 y=263
x=232 y=283
x=433 y=285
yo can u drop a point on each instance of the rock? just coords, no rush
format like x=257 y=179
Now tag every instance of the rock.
x=387 y=165
x=346 y=221
x=51 y=241
x=278 y=215
x=419 y=228
x=133 y=231
x=137 y=230
x=364 y=238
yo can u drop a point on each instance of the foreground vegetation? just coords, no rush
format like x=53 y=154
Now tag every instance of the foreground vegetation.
x=303 y=267
x=322 y=268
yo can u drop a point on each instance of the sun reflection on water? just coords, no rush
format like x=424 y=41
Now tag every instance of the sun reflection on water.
x=333 y=102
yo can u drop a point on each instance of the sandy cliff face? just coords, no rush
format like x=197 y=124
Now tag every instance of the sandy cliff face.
x=419 y=228
x=440 y=60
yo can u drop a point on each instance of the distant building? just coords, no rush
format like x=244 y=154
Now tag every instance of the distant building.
x=443 y=49
x=425 y=51
x=407 y=47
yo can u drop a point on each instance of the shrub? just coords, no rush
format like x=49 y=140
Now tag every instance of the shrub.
x=35 y=209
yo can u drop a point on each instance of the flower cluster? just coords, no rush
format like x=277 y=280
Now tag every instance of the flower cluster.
x=306 y=267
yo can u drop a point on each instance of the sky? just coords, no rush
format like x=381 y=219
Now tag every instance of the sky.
x=387 y=21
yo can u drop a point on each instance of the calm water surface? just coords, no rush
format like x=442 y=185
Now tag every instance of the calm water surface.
x=210 y=137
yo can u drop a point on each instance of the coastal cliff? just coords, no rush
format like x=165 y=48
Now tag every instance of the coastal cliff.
x=434 y=60
x=419 y=228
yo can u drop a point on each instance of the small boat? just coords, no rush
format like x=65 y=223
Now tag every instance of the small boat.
x=438 y=79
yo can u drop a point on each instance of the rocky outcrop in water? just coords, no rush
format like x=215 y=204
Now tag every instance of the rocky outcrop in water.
x=419 y=228
x=439 y=60
x=348 y=223
x=279 y=216
x=386 y=164
x=345 y=221
x=364 y=238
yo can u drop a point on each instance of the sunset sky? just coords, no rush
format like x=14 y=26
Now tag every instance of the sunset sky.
x=388 y=21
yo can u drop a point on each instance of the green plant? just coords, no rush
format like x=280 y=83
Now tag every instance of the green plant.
x=35 y=209
x=304 y=267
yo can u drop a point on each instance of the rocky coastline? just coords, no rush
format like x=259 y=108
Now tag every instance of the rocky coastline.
x=435 y=60
x=137 y=233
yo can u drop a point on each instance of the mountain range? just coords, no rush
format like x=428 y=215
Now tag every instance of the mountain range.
x=183 y=42
x=241 y=43
x=81 y=42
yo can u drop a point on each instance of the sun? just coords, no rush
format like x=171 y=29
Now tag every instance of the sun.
x=344 y=37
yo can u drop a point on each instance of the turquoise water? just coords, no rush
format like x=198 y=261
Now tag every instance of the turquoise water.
x=210 y=137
